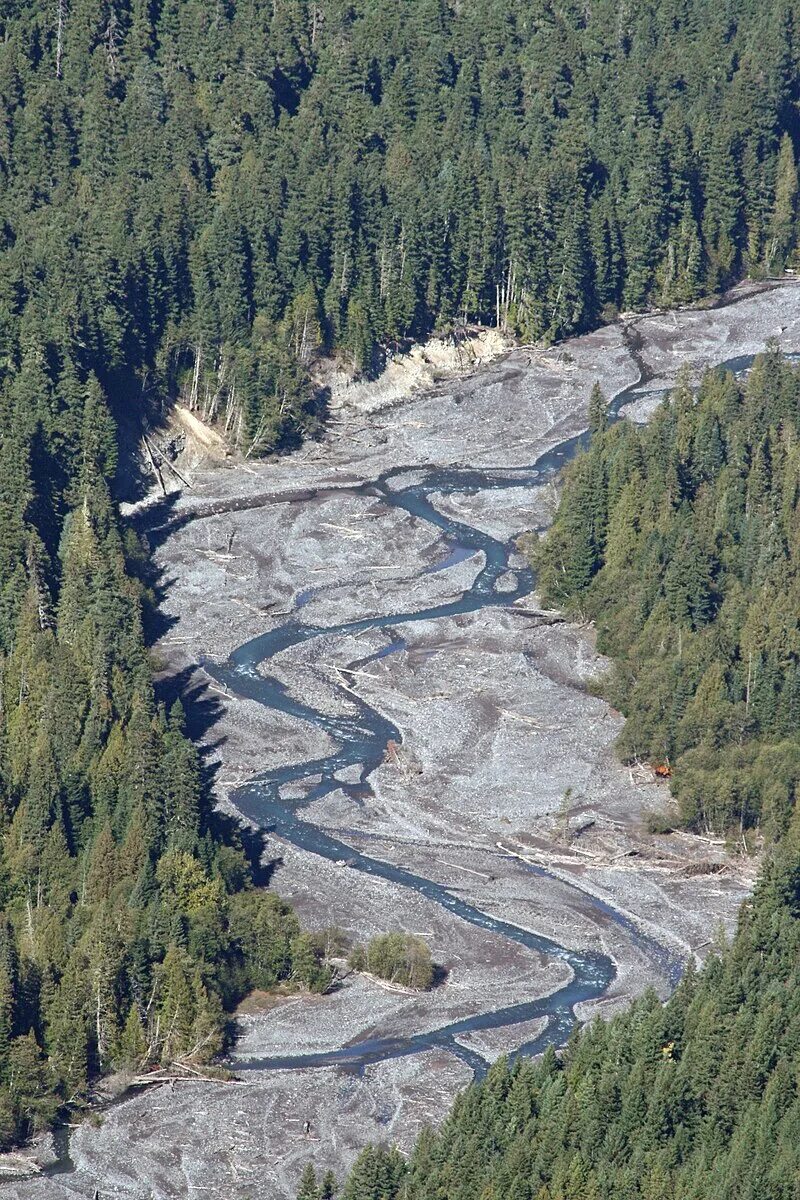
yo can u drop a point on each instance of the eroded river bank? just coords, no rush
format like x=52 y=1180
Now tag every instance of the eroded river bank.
x=367 y=591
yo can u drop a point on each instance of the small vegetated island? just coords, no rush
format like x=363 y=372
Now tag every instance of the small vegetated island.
x=399 y=958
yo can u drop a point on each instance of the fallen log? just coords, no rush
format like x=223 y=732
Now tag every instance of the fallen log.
x=156 y=1078
x=469 y=870
x=156 y=471
x=546 y=618
x=19 y=1164
x=348 y=670
x=171 y=466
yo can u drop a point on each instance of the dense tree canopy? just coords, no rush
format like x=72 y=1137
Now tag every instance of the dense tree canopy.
x=401 y=958
x=682 y=540
x=200 y=195
x=126 y=924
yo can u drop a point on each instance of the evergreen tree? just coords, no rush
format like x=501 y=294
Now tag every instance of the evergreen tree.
x=782 y=235
x=598 y=419
x=670 y=537
x=308 y=1184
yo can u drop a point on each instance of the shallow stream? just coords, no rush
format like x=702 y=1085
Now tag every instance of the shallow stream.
x=361 y=740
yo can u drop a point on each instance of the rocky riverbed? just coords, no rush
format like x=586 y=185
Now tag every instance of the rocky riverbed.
x=505 y=790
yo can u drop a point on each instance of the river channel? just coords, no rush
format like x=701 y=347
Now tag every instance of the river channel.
x=362 y=741
x=370 y=530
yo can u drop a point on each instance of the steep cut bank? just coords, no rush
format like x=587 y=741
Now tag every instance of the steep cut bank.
x=499 y=743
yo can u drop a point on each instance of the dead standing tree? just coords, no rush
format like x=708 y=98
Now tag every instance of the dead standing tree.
x=61 y=20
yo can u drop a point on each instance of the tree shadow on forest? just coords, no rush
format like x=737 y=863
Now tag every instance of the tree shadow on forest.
x=133 y=408
x=158 y=520
x=203 y=708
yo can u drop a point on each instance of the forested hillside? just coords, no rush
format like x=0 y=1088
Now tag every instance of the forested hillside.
x=682 y=540
x=126 y=924
x=200 y=195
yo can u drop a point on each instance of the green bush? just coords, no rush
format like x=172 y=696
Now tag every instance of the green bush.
x=401 y=958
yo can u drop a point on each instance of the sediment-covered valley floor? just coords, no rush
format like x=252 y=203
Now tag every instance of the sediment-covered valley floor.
x=500 y=788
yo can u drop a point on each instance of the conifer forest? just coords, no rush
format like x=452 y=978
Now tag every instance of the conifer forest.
x=466 y=335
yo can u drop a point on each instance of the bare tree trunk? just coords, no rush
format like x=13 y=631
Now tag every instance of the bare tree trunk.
x=210 y=406
x=304 y=341
x=560 y=290
x=198 y=358
x=61 y=17
x=749 y=681
x=97 y=1022
x=231 y=412
x=111 y=45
